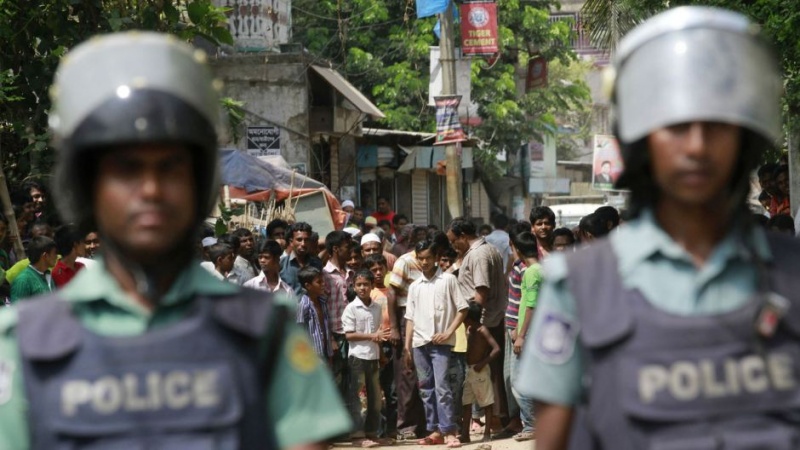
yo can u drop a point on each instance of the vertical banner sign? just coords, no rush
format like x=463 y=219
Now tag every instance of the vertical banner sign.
x=606 y=162
x=479 y=28
x=537 y=74
x=448 y=128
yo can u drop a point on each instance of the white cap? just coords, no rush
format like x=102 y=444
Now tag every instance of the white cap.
x=209 y=241
x=352 y=231
x=349 y=203
x=370 y=237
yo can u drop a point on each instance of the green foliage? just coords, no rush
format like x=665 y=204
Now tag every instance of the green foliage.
x=383 y=49
x=779 y=20
x=37 y=33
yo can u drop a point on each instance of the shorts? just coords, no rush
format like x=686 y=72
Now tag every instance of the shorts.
x=478 y=387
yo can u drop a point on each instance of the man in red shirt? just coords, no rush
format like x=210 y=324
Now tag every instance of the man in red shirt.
x=384 y=211
x=70 y=245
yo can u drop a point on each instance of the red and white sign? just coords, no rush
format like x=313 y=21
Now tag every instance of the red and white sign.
x=479 y=28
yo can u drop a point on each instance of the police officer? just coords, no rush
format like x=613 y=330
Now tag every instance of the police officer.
x=147 y=350
x=679 y=331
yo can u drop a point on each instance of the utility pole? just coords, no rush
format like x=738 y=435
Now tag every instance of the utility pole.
x=447 y=58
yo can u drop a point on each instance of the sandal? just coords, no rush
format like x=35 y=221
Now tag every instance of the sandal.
x=431 y=440
x=369 y=443
x=452 y=441
x=524 y=436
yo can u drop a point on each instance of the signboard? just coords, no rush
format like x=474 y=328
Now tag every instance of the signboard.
x=606 y=162
x=479 y=28
x=264 y=141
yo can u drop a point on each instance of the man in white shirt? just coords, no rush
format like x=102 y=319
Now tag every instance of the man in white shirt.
x=269 y=279
x=434 y=310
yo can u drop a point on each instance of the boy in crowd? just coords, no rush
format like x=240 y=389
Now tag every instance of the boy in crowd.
x=361 y=322
x=482 y=348
x=384 y=296
x=526 y=250
x=222 y=256
x=36 y=279
x=563 y=239
x=543 y=221
x=447 y=258
x=434 y=311
x=69 y=244
x=356 y=260
x=269 y=279
x=312 y=312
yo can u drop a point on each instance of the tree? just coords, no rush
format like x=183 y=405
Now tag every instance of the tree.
x=36 y=34
x=383 y=49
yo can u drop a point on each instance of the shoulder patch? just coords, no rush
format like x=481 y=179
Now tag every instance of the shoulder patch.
x=6 y=377
x=554 y=341
x=302 y=357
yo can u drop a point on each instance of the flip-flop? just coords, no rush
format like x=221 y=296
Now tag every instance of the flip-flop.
x=369 y=443
x=524 y=436
x=428 y=440
x=453 y=442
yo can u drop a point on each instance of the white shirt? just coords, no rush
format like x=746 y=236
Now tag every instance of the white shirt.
x=85 y=261
x=260 y=283
x=360 y=318
x=432 y=306
x=500 y=240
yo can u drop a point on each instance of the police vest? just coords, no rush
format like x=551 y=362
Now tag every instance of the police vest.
x=662 y=381
x=200 y=383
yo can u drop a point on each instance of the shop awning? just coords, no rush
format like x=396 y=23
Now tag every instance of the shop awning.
x=349 y=92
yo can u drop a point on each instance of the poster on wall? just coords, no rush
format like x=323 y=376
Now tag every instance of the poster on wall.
x=606 y=162
x=448 y=128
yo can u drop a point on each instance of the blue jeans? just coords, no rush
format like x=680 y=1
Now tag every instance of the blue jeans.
x=432 y=363
x=365 y=373
x=525 y=403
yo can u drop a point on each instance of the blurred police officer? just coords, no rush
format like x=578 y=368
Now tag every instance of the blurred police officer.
x=147 y=350
x=679 y=331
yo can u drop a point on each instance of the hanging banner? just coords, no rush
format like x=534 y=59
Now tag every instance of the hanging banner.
x=448 y=128
x=479 y=28
x=537 y=74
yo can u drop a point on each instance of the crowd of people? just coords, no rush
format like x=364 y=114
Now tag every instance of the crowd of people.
x=421 y=327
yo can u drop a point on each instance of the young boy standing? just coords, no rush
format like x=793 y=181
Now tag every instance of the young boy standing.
x=381 y=294
x=312 y=312
x=525 y=247
x=361 y=322
x=482 y=348
x=434 y=311
x=269 y=257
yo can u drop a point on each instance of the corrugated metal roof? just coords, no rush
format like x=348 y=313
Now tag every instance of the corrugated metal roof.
x=349 y=91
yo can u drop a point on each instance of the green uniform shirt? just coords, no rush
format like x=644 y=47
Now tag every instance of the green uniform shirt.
x=304 y=405
x=529 y=289
x=16 y=269
x=30 y=283
x=650 y=261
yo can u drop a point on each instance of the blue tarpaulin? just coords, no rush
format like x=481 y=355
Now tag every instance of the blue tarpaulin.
x=427 y=8
x=252 y=174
